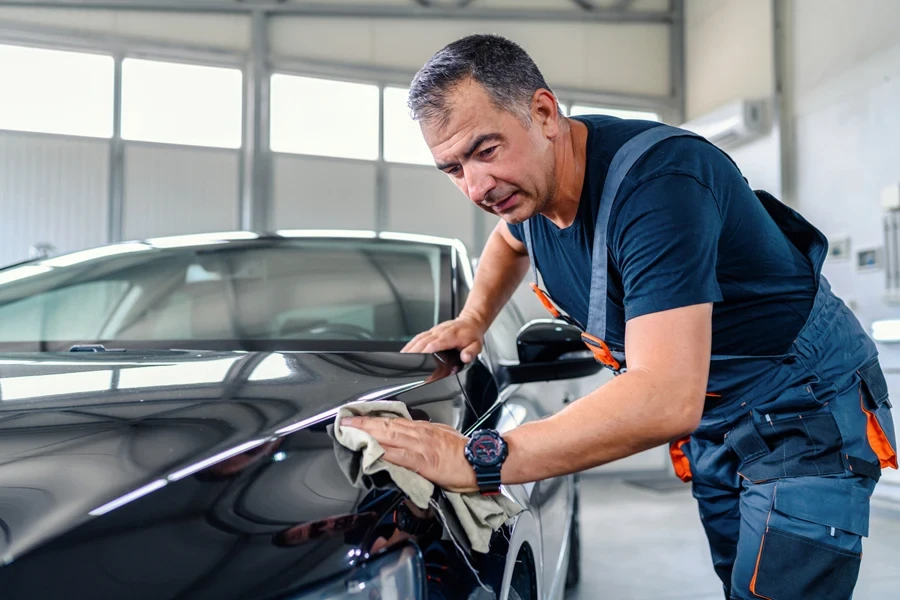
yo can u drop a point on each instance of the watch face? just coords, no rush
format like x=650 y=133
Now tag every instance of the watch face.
x=486 y=450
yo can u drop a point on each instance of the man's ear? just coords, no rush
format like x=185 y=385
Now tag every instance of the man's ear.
x=545 y=113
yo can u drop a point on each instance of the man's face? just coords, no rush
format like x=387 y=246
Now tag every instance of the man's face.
x=502 y=165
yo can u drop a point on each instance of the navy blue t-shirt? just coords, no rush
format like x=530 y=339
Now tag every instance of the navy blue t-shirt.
x=685 y=229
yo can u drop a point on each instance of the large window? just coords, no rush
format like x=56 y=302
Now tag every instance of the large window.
x=403 y=141
x=181 y=104
x=324 y=117
x=49 y=91
x=583 y=109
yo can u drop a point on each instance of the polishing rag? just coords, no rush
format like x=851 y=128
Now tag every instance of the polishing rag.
x=359 y=456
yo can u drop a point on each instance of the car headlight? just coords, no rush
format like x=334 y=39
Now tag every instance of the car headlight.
x=396 y=576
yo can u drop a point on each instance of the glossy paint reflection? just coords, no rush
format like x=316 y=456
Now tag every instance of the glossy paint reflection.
x=201 y=487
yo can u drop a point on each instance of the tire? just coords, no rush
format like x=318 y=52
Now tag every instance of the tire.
x=573 y=569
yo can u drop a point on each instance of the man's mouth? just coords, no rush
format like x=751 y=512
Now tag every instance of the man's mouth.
x=507 y=204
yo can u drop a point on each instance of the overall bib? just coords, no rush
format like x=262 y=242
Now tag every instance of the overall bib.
x=790 y=447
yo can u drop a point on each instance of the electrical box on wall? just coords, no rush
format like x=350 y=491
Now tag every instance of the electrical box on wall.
x=839 y=248
x=869 y=259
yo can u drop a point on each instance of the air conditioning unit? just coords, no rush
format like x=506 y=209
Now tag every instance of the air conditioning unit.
x=733 y=124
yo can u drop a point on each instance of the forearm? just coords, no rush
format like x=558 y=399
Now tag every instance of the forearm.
x=630 y=414
x=500 y=271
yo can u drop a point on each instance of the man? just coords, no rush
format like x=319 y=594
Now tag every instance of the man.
x=738 y=354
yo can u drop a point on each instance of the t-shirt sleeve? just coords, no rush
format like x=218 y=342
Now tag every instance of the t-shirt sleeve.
x=664 y=241
x=517 y=230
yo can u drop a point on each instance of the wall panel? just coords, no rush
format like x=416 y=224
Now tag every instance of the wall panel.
x=313 y=192
x=423 y=200
x=171 y=190
x=574 y=55
x=53 y=189
x=231 y=32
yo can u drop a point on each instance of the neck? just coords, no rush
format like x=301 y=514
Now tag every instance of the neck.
x=570 y=151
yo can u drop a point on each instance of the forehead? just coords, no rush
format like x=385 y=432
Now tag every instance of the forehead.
x=471 y=112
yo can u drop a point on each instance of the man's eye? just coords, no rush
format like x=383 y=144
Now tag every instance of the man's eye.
x=488 y=151
x=452 y=171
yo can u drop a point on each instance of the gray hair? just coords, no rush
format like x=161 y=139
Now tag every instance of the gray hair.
x=502 y=68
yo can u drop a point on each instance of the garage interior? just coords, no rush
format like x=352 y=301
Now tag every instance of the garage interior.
x=134 y=119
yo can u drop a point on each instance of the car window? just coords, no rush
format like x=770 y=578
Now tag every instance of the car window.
x=291 y=290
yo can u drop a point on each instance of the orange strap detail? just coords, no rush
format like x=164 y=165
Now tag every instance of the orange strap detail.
x=679 y=460
x=756 y=570
x=887 y=456
x=601 y=351
x=545 y=299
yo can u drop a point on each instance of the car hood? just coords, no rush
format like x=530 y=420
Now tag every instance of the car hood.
x=191 y=474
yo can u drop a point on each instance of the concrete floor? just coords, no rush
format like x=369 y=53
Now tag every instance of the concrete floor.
x=639 y=544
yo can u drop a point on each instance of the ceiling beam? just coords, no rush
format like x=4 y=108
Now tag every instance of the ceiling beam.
x=369 y=11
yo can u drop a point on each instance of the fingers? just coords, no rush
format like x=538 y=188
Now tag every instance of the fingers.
x=403 y=457
x=396 y=433
x=449 y=335
x=469 y=353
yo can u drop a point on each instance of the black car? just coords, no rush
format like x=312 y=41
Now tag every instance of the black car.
x=164 y=408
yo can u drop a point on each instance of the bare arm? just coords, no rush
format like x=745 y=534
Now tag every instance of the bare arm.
x=501 y=268
x=503 y=264
x=659 y=399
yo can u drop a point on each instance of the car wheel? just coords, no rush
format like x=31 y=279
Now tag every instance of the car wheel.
x=573 y=570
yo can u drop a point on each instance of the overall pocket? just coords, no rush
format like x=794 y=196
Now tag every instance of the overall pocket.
x=873 y=399
x=812 y=545
x=787 y=444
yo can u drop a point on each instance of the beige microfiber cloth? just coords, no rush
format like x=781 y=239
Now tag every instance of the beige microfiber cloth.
x=359 y=456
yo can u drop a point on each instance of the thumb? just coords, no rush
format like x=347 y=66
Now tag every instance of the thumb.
x=469 y=353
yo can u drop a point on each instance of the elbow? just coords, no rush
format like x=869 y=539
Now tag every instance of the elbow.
x=687 y=417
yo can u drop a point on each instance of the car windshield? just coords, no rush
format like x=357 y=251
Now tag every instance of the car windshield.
x=267 y=294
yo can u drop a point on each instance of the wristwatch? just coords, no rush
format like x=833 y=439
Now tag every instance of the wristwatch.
x=486 y=451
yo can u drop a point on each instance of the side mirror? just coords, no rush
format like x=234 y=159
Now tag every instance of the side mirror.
x=550 y=350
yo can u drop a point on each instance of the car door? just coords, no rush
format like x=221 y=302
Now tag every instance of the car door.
x=526 y=402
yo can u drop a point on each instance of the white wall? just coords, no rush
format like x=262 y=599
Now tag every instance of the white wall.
x=227 y=32
x=574 y=55
x=52 y=190
x=846 y=57
x=729 y=57
x=577 y=57
x=424 y=200
x=172 y=190
x=311 y=192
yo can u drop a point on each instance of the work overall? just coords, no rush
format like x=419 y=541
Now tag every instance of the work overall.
x=790 y=447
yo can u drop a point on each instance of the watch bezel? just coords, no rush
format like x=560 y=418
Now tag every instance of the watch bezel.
x=495 y=437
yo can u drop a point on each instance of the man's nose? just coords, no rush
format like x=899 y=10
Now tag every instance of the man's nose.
x=479 y=185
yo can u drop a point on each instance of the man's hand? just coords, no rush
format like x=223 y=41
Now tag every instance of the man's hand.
x=433 y=450
x=464 y=333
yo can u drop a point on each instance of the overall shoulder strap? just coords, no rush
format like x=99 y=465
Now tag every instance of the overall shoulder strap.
x=621 y=164
x=529 y=245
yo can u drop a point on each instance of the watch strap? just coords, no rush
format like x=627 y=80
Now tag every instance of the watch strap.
x=488 y=479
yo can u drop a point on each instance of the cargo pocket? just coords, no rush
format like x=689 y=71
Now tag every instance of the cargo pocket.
x=812 y=543
x=789 y=444
x=873 y=398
